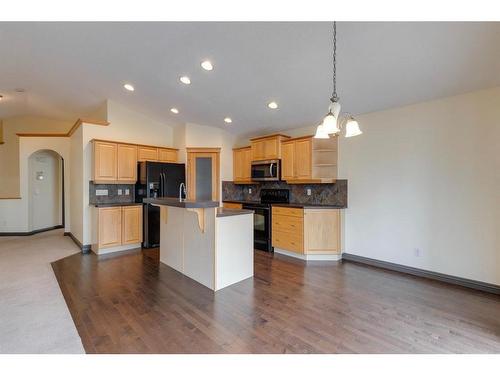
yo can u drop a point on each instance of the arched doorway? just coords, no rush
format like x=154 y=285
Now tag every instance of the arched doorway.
x=46 y=190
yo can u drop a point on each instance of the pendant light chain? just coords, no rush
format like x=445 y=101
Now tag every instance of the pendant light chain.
x=334 y=94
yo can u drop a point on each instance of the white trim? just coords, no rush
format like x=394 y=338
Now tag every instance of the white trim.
x=328 y=257
x=116 y=248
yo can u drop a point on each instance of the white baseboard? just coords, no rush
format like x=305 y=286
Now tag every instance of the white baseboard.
x=329 y=257
x=115 y=249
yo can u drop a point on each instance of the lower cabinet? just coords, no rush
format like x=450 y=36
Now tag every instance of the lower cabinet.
x=117 y=226
x=232 y=205
x=306 y=231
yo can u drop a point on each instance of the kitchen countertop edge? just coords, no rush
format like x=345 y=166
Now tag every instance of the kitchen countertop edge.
x=291 y=204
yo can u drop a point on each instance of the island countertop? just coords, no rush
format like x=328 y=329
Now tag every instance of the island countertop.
x=187 y=203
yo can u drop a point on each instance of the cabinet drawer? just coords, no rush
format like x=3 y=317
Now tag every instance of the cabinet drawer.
x=288 y=241
x=289 y=211
x=289 y=224
x=232 y=205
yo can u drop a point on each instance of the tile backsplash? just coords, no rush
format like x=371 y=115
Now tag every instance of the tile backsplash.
x=112 y=196
x=331 y=194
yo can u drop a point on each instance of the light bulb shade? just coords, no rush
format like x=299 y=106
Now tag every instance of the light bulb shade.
x=330 y=124
x=321 y=133
x=352 y=128
x=335 y=108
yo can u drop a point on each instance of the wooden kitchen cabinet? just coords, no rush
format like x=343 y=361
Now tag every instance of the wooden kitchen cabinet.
x=105 y=162
x=146 y=153
x=306 y=230
x=117 y=226
x=232 y=205
x=116 y=162
x=288 y=229
x=267 y=147
x=309 y=160
x=109 y=227
x=167 y=155
x=126 y=163
x=131 y=224
x=242 y=165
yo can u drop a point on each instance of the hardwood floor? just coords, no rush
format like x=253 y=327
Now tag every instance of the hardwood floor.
x=130 y=303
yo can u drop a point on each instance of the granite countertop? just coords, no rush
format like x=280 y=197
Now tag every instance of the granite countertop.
x=175 y=202
x=223 y=212
x=118 y=204
x=291 y=204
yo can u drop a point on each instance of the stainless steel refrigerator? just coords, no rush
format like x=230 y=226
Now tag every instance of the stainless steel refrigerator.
x=156 y=180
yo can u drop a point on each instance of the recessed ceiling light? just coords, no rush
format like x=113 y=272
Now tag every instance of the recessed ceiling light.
x=185 y=80
x=128 y=87
x=273 y=105
x=228 y=120
x=174 y=110
x=207 y=65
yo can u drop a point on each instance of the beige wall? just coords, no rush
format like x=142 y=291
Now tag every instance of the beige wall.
x=9 y=151
x=14 y=213
x=427 y=177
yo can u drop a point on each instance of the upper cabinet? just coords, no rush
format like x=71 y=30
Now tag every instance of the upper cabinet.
x=268 y=147
x=105 y=162
x=127 y=163
x=167 y=155
x=242 y=163
x=116 y=162
x=309 y=160
x=146 y=153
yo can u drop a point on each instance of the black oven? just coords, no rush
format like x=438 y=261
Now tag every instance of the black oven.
x=262 y=232
x=266 y=170
x=261 y=225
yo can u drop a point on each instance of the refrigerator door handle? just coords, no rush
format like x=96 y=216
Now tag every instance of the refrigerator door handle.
x=162 y=176
x=160 y=186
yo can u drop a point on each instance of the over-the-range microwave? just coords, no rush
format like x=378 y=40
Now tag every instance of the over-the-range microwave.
x=266 y=170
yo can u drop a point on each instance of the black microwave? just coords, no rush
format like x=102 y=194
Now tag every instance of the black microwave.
x=266 y=170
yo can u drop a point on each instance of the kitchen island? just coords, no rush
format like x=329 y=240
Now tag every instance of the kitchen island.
x=209 y=244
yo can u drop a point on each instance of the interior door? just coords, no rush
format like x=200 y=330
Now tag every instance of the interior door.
x=203 y=175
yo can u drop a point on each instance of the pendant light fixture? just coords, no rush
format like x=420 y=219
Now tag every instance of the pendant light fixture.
x=334 y=122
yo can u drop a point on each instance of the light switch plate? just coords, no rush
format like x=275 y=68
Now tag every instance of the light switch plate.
x=120 y=191
x=127 y=191
x=100 y=192
x=308 y=191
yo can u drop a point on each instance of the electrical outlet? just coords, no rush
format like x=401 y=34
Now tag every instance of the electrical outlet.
x=120 y=191
x=100 y=192
x=249 y=190
x=127 y=191
x=308 y=191
x=416 y=252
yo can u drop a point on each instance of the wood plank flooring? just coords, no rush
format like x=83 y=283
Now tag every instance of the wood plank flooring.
x=131 y=303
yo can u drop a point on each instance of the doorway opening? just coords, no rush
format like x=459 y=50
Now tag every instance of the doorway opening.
x=46 y=190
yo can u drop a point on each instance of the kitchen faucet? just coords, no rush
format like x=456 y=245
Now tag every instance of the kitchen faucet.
x=182 y=189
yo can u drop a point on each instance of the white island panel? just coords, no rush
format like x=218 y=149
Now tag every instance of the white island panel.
x=234 y=257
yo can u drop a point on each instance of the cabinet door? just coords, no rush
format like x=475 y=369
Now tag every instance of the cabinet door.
x=127 y=163
x=287 y=161
x=105 y=161
x=167 y=155
x=203 y=175
x=110 y=227
x=247 y=164
x=131 y=224
x=147 y=153
x=303 y=159
x=238 y=165
x=271 y=148
x=258 y=150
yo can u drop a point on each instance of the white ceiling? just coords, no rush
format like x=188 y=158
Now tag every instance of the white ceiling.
x=68 y=69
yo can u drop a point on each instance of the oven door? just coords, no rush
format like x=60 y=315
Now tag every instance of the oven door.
x=261 y=227
x=268 y=170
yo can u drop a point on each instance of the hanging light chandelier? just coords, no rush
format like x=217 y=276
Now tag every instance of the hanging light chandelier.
x=334 y=122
